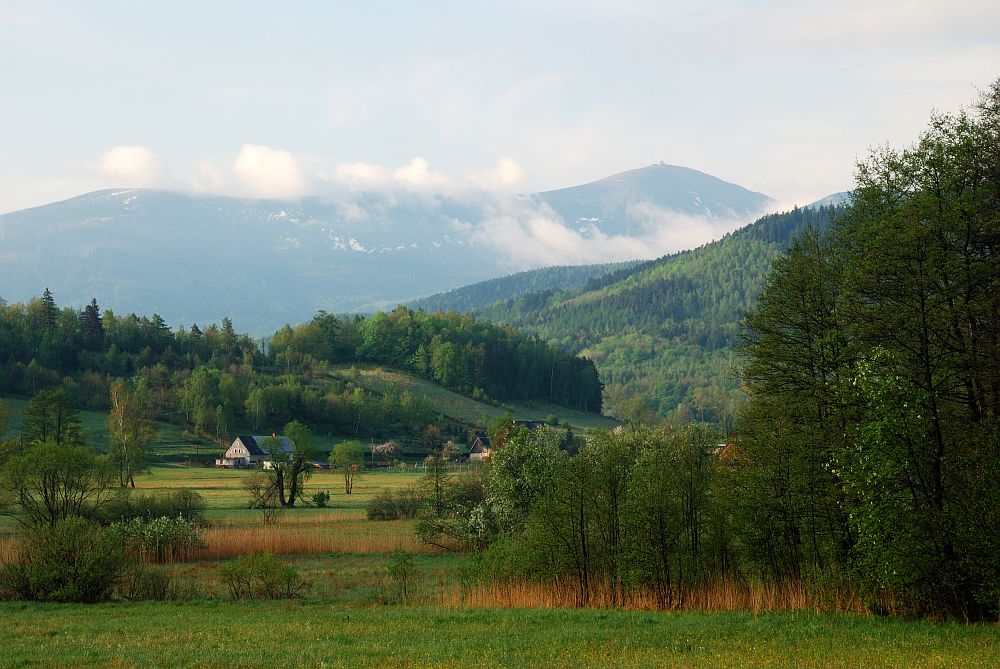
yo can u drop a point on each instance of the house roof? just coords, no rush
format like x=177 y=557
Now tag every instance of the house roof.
x=480 y=445
x=255 y=443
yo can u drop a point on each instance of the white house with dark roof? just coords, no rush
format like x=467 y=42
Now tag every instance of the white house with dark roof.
x=248 y=451
x=480 y=449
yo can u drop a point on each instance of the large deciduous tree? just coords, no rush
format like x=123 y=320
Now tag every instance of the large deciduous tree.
x=348 y=458
x=51 y=482
x=50 y=416
x=129 y=432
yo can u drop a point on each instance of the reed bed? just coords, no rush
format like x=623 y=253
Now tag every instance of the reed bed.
x=723 y=595
x=227 y=542
x=9 y=549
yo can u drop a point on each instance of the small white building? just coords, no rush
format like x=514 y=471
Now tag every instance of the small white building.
x=249 y=451
x=480 y=449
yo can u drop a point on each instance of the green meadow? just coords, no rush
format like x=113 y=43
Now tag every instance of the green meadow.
x=325 y=634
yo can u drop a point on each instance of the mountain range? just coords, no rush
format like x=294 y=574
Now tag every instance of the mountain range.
x=197 y=258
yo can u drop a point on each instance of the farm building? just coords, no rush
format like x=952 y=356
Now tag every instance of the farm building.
x=250 y=451
x=480 y=449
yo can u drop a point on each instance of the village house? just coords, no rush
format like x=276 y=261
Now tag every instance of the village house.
x=480 y=449
x=249 y=451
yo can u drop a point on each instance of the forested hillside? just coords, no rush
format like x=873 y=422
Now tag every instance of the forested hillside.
x=485 y=293
x=215 y=381
x=663 y=334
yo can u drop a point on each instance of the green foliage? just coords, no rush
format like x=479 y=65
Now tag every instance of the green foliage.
x=50 y=416
x=400 y=577
x=872 y=359
x=51 y=482
x=635 y=510
x=71 y=561
x=666 y=329
x=451 y=517
x=129 y=431
x=126 y=505
x=402 y=504
x=161 y=539
x=143 y=583
x=258 y=576
x=455 y=350
x=483 y=294
x=320 y=499
x=348 y=458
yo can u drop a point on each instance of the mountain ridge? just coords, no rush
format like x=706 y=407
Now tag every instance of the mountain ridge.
x=263 y=262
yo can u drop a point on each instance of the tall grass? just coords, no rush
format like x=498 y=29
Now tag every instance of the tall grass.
x=227 y=542
x=723 y=595
x=9 y=549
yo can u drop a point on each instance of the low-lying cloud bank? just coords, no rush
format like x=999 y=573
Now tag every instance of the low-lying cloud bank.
x=522 y=231
x=529 y=234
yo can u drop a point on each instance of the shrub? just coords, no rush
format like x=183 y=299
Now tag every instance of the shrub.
x=400 y=577
x=126 y=506
x=74 y=561
x=320 y=499
x=257 y=576
x=140 y=583
x=400 y=505
x=160 y=539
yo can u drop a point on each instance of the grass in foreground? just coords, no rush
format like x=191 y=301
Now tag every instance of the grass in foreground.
x=293 y=634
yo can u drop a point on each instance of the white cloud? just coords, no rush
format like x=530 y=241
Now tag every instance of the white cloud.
x=528 y=234
x=357 y=175
x=208 y=179
x=417 y=175
x=506 y=174
x=133 y=166
x=266 y=172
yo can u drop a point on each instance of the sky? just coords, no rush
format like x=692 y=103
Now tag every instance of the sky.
x=285 y=99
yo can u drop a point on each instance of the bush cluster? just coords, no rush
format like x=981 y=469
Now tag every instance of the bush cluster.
x=186 y=504
x=72 y=561
x=160 y=539
x=258 y=576
x=399 y=505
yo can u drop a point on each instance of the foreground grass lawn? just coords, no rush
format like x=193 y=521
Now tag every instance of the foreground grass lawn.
x=219 y=634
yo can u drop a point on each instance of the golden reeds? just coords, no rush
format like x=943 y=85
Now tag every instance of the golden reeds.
x=227 y=542
x=723 y=595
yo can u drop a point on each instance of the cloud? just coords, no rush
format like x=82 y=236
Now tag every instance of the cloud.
x=266 y=172
x=507 y=173
x=357 y=175
x=133 y=166
x=208 y=179
x=417 y=175
x=530 y=234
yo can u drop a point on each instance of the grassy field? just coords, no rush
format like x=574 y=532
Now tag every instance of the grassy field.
x=170 y=443
x=466 y=409
x=214 y=634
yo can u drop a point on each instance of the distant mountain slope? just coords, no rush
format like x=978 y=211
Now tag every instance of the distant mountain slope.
x=620 y=204
x=666 y=330
x=197 y=258
x=485 y=293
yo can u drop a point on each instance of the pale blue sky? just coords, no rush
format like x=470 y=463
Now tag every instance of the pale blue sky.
x=262 y=99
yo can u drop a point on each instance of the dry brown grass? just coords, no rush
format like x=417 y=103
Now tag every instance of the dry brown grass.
x=9 y=549
x=723 y=595
x=227 y=542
